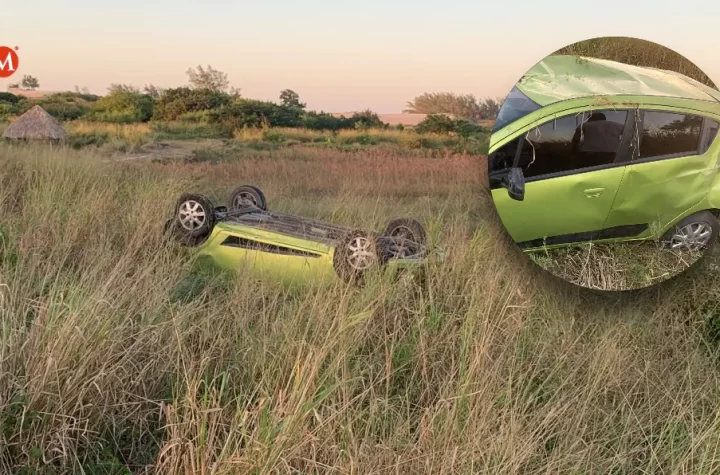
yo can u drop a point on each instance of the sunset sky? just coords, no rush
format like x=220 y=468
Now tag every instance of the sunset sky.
x=338 y=55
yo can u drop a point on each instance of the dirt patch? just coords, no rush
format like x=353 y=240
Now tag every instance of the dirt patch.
x=171 y=150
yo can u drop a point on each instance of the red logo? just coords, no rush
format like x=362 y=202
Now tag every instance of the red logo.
x=9 y=61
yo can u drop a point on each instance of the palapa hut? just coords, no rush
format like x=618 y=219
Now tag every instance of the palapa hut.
x=35 y=124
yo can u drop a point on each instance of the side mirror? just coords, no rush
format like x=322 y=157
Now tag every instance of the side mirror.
x=514 y=181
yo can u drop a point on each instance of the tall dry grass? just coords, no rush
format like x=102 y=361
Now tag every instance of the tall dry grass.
x=616 y=266
x=489 y=368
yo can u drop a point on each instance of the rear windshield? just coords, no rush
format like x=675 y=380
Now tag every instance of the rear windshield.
x=516 y=105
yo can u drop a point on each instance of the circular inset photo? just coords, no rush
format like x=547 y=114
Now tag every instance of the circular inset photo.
x=603 y=163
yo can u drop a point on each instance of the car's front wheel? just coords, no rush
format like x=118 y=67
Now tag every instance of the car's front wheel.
x=696 y=232
x=194 y=218
x=357 y=253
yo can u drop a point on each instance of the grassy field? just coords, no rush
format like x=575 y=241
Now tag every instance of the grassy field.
x=121 y=139
x=616 y=266
x=111 y=363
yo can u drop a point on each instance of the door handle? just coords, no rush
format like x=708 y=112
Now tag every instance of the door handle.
x=593 y=192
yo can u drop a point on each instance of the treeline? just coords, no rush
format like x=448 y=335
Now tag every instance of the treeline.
x=124 y=105
x=209 y=99
x=465 y=106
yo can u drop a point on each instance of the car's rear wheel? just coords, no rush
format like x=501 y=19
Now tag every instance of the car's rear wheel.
x=358 y=253
x=408 y=236
x=194 y=217
x=696 y=232
x=246 y=195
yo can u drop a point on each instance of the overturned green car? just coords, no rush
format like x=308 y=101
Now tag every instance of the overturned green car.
x=593 y=150
x=293 y=248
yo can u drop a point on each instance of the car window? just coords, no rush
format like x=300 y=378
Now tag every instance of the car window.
x=504 y=156
x=515 y=106
x=711 y=130
x=669 y=133
x=573 y=143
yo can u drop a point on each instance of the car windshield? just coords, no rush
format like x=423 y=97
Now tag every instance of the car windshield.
x=516 y=105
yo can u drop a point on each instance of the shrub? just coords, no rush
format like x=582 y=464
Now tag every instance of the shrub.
x=436 y=124
x=122 y=108
x=5 y=111
x=367 y=120
x=8 y=97
x=443 y=124
x=59 y=106
x=76 y=97
x=324 y=121
x=273 y=136
x=182 y=100
x=243 y=113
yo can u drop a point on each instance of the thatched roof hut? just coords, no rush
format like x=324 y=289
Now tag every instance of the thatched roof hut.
x=35 y=124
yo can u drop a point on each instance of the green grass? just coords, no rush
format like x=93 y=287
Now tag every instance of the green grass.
x=490 y=368
x=132 y=137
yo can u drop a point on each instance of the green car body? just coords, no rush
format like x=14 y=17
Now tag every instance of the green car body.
x=632 y=197
x=278 y=256
x=290 y=248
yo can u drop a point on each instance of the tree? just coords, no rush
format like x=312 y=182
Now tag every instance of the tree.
x=30 y=82
x=290 y=98
x=153 y=91
x=465 y=106
x=445 y=103
x=82 y=90
x=123 y=88
x=208 y=78
x=490 y=108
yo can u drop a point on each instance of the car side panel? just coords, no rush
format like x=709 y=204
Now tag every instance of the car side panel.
x=662 y=192
x=659 y=193
x=559 y=206
x=305 y=264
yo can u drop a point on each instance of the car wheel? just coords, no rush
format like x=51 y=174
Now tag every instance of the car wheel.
x=245 y=195
x=408 y=236
x=697 y=231
x=357 y=253
x=194 y=217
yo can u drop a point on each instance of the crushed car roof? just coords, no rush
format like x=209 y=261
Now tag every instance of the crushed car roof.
x=562 y=77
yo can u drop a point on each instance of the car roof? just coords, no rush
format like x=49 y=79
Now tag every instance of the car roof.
x=562 y=77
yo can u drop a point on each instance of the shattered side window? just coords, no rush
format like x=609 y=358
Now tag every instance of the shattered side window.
x=572 y=143
x=503 y=158
x=515 y=106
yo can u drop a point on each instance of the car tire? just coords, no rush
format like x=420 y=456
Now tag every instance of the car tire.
x=406 y=229
x=194 y=217
x=357 y=253
x=247 y=193
x=697 y=231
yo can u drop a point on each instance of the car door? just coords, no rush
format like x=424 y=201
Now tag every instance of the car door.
x=671 y=170
x=569 y=185
x=269 y=254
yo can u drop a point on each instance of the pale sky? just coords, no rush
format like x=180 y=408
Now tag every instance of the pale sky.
x=338 y=55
